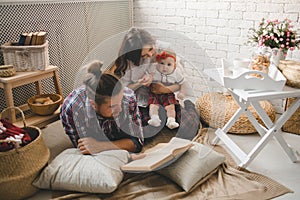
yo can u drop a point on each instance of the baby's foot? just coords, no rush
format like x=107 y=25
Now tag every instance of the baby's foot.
x=171 y=123
x=154 y=122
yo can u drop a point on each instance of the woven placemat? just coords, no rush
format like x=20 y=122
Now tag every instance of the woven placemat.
x=215 y=109
x=292 y=125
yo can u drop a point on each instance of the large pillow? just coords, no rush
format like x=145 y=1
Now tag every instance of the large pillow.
x=70 y=170
x=195 y=164
x=56 y=139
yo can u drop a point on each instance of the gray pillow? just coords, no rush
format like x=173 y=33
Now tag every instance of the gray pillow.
x=195 y=164
x=56 y=139
x=70 y=170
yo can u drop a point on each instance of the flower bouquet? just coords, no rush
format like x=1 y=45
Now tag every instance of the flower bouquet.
x=274 y=34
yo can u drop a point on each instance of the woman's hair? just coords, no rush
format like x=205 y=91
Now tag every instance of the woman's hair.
x=131 y=49
x=100 y=86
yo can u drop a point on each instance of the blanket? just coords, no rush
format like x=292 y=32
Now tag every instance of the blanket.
x=228 y=181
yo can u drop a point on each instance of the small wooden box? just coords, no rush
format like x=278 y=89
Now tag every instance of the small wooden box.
x=293 y=124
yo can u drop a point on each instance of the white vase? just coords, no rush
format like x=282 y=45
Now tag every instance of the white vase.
x=276 y=56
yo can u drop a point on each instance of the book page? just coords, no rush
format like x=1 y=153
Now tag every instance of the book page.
x=159 y=155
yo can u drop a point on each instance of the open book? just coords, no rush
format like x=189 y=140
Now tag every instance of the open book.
x=159 y=156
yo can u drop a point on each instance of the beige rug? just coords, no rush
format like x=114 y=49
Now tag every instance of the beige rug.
x=226 y=182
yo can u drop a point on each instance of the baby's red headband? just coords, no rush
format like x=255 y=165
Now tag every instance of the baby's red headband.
x=164 y=55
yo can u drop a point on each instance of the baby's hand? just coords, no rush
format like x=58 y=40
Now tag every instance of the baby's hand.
x=144 y=79
x=180 y=95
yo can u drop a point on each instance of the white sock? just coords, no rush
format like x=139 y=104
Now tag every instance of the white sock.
x=171 y=123
x=154 y=121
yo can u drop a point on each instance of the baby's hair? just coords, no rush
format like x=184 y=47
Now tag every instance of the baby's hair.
x=100 y=86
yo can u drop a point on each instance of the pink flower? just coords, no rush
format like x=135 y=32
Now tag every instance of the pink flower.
x=282 y=46
x=292 y=48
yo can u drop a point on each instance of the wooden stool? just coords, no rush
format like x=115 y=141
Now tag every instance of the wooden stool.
x=24 y=78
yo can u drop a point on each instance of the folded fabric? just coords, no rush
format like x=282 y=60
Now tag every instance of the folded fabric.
x=12 y=133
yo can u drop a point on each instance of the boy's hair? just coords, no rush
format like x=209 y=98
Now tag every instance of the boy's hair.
x=100 y=86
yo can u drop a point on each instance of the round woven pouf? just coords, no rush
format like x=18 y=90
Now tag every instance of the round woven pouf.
x=215 y=109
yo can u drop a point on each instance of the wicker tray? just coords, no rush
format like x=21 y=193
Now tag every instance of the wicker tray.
x=216 y=109
x=26 y=58
x=20 y=166
x=7 y=70
x=292 y=125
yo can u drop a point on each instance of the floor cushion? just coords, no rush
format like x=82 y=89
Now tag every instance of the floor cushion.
x=215 y=109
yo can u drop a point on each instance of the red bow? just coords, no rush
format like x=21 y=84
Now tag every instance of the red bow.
x=164 y=55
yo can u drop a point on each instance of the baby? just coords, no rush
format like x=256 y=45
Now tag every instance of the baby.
x=167 y=74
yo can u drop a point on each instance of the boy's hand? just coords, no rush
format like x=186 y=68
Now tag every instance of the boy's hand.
x=134 y=156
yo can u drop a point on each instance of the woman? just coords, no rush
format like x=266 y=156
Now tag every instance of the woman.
x=134 y=67
x=102 y=114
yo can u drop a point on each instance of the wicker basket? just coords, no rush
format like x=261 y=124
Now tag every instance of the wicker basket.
x=7 y=70
x=20 y=166
x=216 y=109
x=292 y=125
x=42 y=109
x=26 y=58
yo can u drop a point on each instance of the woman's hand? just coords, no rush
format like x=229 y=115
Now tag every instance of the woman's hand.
x=159 y=88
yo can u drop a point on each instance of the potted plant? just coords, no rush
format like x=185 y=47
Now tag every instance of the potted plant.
x=279 y=36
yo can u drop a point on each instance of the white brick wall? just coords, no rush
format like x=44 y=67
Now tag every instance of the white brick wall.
x=219 y=27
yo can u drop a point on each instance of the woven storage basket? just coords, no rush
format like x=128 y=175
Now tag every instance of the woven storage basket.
x=292 y=125
x=47 y=109
x=20 y=166
x=215 y=109
x=7 y=70
x=26 y=58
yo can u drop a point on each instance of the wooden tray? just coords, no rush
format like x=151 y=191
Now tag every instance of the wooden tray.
x=274 y=80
